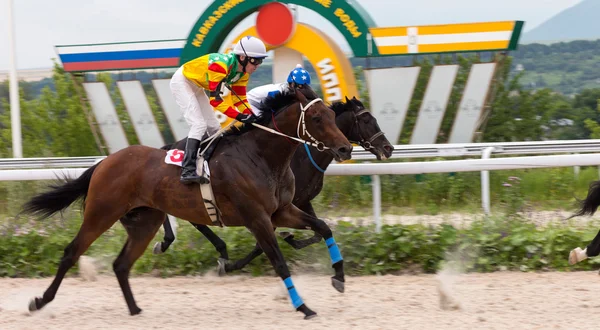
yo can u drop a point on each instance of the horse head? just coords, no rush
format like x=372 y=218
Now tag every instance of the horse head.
x=362 y=128
x=316 y=124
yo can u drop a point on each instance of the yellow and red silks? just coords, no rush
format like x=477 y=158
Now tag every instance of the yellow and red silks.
x=210 y=70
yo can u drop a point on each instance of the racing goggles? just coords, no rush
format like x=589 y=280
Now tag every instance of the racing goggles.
x=255 y=60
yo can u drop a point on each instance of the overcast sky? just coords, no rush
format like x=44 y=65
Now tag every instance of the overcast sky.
x=42 y=24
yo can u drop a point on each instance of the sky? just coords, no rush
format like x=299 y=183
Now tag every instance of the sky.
x=40 y=24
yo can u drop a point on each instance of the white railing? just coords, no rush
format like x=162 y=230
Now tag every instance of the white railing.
x=401 y=151
x=476 y=149
x=53 y=168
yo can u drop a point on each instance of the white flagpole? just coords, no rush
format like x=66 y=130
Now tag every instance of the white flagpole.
x=15 y=110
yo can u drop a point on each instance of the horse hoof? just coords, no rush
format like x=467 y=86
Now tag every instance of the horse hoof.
x=33 y=305
x=576 y=255
x=135 y=311
x=157 y=248
x=221 y=262
x=286 y=235
x=337 y=284
x=308 y=313
x=308 y=317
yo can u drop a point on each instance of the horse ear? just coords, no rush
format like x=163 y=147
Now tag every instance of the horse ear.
x=301 y=97
x=354 y=98
x=347 y=100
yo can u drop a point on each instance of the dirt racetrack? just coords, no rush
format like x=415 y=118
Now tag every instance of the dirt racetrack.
x=504 y=300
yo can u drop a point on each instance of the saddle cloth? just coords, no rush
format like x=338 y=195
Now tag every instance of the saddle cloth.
x=175 y=157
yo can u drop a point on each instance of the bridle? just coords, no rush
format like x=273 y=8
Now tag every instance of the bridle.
x=301 y=123
x=367 y=144
x=317 y=144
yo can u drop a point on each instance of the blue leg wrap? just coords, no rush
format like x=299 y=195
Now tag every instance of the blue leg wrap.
x=294 y=296
x=334 y=251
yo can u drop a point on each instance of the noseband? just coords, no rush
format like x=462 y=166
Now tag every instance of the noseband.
x=367 y=144
x=317 y=144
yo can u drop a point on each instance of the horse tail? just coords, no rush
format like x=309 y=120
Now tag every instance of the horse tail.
x=60 y=196
x=590 y=204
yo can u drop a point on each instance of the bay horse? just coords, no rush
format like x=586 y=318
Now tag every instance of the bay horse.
x=252 y=183
x=588 y=206
x=308 y=165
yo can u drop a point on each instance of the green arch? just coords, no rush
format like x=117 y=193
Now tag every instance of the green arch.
x=222 y=16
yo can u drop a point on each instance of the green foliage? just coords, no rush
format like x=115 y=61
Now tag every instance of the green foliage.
x=433 y=193
x=53 y=124
x=486 y=245
x=512 y=197
x=566 y=67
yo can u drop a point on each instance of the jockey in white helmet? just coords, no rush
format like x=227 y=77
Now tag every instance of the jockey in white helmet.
x=214 y=73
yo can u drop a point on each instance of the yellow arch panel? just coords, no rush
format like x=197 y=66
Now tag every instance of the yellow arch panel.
x=333 y=69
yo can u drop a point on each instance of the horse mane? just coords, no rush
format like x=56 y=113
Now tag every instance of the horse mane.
x=276 y=103
x=340 y=107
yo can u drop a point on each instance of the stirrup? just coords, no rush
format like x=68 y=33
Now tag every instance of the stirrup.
x=190 y=179
x=193 y=177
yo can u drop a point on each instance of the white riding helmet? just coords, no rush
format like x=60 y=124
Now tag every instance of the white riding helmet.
x=250 y=47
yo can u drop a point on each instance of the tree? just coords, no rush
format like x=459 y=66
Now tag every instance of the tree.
x=53 y=124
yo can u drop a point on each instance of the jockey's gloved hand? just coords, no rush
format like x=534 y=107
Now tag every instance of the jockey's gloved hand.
x=246 y=118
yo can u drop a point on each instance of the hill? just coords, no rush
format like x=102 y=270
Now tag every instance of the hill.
x=578 y=22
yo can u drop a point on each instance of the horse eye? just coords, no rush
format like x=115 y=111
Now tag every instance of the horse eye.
x=316 y=119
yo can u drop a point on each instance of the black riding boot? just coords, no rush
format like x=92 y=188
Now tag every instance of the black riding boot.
x=188 y=173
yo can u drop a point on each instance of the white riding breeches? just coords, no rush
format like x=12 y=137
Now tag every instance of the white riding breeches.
x=194 y=103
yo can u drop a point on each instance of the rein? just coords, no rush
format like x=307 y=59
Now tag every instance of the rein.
x=301 y=121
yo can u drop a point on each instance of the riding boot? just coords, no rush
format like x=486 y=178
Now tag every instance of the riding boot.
x=188 y=173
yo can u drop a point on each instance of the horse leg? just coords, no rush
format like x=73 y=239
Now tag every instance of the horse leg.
x=141 y=228
x=292 y=217
x=265 y=236
x=230 y=267
x=168 y=239
x=95 y=223
x=215 y=240
x=302 y=243
x=592 y=250
x=219 y=245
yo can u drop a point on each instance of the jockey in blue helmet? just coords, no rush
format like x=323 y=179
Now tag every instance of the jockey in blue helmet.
x=297 y=79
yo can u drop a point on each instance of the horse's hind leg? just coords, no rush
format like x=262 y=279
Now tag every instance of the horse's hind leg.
x=265 y=236
x=302 y=243
x=168 y=239
x=94 y=224
x=141 y=228
x=292 y=217
x=592 y=250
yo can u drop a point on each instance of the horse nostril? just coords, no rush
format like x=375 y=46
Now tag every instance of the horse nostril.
x=342 y=150
x=388 y=148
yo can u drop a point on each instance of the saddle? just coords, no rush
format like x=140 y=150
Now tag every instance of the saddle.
x=175 y=157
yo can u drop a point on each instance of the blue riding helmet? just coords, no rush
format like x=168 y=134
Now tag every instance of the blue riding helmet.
x=299 y=76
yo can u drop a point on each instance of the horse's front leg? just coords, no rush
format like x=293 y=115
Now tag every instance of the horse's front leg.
x=239 y=264
x=292 y=217
x=265 y=236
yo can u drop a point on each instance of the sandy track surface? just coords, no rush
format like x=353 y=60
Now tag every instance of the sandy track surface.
x=540 y=218
x=503 y=300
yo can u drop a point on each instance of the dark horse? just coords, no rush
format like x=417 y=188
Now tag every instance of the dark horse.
x=308 y=166
x=588 y=206
x=252 y=184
